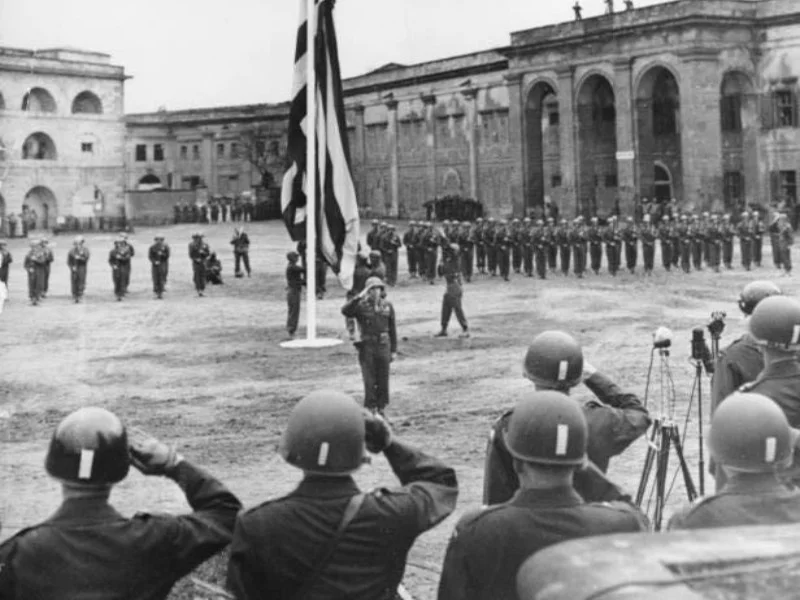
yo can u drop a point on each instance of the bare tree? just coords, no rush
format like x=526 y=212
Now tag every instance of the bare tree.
x=264 y=149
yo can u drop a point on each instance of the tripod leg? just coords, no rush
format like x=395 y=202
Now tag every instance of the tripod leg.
x=661 y=478
x=649 y=458
x=691 y=491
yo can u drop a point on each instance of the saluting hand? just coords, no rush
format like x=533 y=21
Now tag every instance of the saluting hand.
x=588 y=370
x=149 y=455
x=378 y=434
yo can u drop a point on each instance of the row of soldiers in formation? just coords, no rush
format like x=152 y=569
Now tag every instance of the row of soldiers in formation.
x=216 y=210
x=206 y=266
x=496 y=246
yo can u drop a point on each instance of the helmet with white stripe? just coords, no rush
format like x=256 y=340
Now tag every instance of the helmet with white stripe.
x=775 y=323
x=554 y=361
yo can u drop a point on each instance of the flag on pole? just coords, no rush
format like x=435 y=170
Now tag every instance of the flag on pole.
x=336 y=214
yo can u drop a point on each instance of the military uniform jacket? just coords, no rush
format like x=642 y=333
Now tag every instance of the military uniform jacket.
x=562 y=237
x=745 y=230
x=5 y=260
x=466 y=240
x=295 y=277
x=615 y=421
x=649 y=236
x=764 y=503
x=199 y=252
x=786 y=235
x=489 y=546
x=119 y=256
x=158 y=253
x=390 y=243
x=275 y=544
x=48 y=256
x=376 y=322
x=739 y=363
x=360 y=276
x=241 y=243
x=78 y=256
x=87 y=550
x=372 y=240
x=451 y=271
x=409 y=239
x=630 y=235
x=35 y=258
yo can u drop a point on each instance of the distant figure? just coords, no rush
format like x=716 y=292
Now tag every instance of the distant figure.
x=628 y=4
x=214 y=270
x=77 y=259
x=241 y=251
x=577 y=8
x=609 y=7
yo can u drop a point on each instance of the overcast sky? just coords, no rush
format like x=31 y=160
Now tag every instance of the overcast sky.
x=197 y=53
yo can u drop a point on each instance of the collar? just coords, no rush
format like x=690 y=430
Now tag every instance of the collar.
x=85 y=510
x=755 y=485
x=322 y=486
x=787 y=366
x=558 y=497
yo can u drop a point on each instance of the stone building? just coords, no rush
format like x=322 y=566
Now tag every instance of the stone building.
x=62 y=134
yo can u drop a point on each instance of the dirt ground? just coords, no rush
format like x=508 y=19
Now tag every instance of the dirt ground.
x=209 y=374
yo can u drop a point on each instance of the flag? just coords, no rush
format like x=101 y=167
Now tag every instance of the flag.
x=337 y=223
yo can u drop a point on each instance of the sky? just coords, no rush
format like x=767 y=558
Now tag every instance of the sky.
x=195 y=53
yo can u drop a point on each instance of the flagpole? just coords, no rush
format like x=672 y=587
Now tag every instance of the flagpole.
x=311 y=170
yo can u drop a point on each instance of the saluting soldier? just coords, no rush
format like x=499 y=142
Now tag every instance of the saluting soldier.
x=727 y=232
x=466 y=242
x=5 y=261
x=697 y=236
x=578 y=240
x=198 y=254
x=527 y=235
x=120 y=260
x=159 y=265
x=550 y=244
x=502 y=244
x=612 y=240
x=630 y=235
x=564 y=247
x=480 y=245
x=745 y=233
x=77 y=259
x=685 y=244
x=410 y=242
x=649 y=236
x=758 y=237
x=595 y=245
x=665 y=236
x=515 y=234
x=34 y=264
x=451 y=302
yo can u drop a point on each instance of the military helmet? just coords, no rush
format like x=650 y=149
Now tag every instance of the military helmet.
x=292 y=256
x=78 y=240
x=412 y=223
x=89 y=446
x=479 y=220
x=750 y=433
x=775 y=323
x=465 y=223
x=515 y=220
x=745 y=214
x=325 y=434
x=554 y=358
x=374 y=221
x=547 y=428
x=454 y=247
x=526 y=220
x=646 y=218
x=594 y=219
x=754 y=292
x=374 y=282
x=539 y=222
x=491 y=219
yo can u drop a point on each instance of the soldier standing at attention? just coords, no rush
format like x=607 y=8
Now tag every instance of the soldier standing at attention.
x=649 y=236
x=5 y=260
x=685 y=244
x=376 y=266
x=503 y=243
x=727 y=232
x=612 y=240
x=528 y=235
x=377 y=347
x=390 y=245
x=431 y=241
x=77 y=258
x=665 y=236
x=372 y=235
x=774 y=238
x=120 y=260
x=410 y=242
x=480 y=245
x=714 y=236
x=758 y=238
x=34 y=264
x=451 y=271
x=199 y=253
x=675 y=246
x=466 y=242
x=578 y=240
x=595 y=245
x=126 y=270
x=562 y=241
x=241 y=251
x=540 y=249
x=550 y=244
x=295 y=280
x=49 y=258
x=745 y=232
x=630 y=235
x=697 y=239
x=515 y=234
x=785 y=242
x=159 y=261
x=491 y=249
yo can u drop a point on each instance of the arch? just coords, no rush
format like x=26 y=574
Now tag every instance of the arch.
x=87 y=103
x=597 y=145
x=643 y=84
x=735 y=83
x=38 y=100
x=40 y=207
x=149 y=182
x=542 y=120
x=662 y=182
x=39 y=146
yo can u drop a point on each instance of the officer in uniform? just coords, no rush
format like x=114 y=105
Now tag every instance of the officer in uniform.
x=752 y=440
x=550 y=244
x=684 y=244
x=159 y=265
x=502 y=244
x=120 y=260
x=335 y=540
x=727 y=232
x=376 y=266
x=547 y=437
x=491 y=248
x=49 y=258
x=675 y=246
x=451 y=302
x=199 y=253
x=595 y=245
x=554 y=361
x=631 y=237
x=409 y=241
x=34 y=264
x=295 y=280
x=665 y=236
x=564 y=247
x=377 y=347
x=431 y=252
x=466 y=242
x=745 y=233
x=774 y=239
x=77 y=258
x=697 y=238
x=578 y=239
x=516 y=234
x=87 y=549
x=649 y=236
x=758 y=238
x=5 y=261
x=480 y=245
x=241 y=251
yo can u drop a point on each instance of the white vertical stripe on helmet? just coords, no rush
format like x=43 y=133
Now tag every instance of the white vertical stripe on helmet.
x=769 y=449
x=796 y=334
x=322 y=458
x=562 y=370
x=562 y=439
x=85 y=465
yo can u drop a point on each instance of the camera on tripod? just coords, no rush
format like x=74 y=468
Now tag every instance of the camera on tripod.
x=701 y=351
x=717 y=324
x=662 y=338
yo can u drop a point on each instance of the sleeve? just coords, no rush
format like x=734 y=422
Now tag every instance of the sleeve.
x=151 y=254
x=500 y=481
x=70 y=259
x=7 y=579
x=133 y=250
x=111 y=258
x=166 y=252
x=593 y=485
x=28 y=263
x=430 y=488
x=631 y=417
x=455 y=582
x=351 y=308
x=245 y=578
x=724 y=382
x=198 y=536
x=392 y=332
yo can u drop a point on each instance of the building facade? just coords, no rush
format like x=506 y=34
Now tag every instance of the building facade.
x=62 y=135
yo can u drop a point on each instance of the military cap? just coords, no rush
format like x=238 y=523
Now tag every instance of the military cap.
x=491 y=219
x=683 y=217
x=383 y=223
x=705 y=214
x=550 y=219
x=479 y=220
x=726 y=217
x=446 y=222
x=526 y=220
x=539 y=222
x=78 y=239
x=392 y=226
x=579 y=218
x=516 y=221
x=594 y=219
x=745 y=214
x=375 y=221
x=646 y=218
x=563 y=221
x=629 y=219
x=158 y=237
x=465 y=223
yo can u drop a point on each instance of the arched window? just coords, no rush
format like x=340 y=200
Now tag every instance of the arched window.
x=665 y=104
x=87 y=103
x=38 y=100
x=39 y=146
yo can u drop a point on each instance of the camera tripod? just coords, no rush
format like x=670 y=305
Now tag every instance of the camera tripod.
x=665 y=438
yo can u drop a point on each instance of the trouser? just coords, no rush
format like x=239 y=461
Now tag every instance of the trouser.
x=611 y=258
x=516 y=257
x=541 y=262
x=78 y=280
x=125 y=269
x=46 y=287
x=714 y=255
x=466 y=263
x=565 y=252
x=293 y=305
x=745 y=247
x=697 y=254
x=374 y=358
x=159 y=274
x=551 y=257
x=430 y=263
x=391 y=267
x=776 y=252
x=451 y=303
x=786 y=257
x=322 y=275
x=480 y=257
x=579 y=253
x=686 y=255
x=666 y=255
x=596 y=255
x=35 y=283
x=242 y=257
x=631 y=255
x=706 y=251
x=727 y=253
x=675 y=254
x=199 y=271
x=757 y=248
x=491 y=258
x=648 y=256
x=119 y=281
x=527 y=259
x=504 y=262
x=411 y=258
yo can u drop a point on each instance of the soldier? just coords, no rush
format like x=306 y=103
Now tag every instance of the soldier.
x=675 y=246
x=611 y=237
x=727 y=231
x=336 y=541
x=390 y=246
x=372 y=235
x=515 y=233
x=377 y=347
x=714 y=237
x=685 y=244
x=431 y=252
x=241 y=251
x=295 y=280
x=199 y=253
x=774 y=239
x=745 y=233
x=698 y=239
x=741 y=361
x=547 y=440
x=480 y=245
x=540 y=248
x=120 y=260
x=77 y=258
x=466 y=242
x=409 y=241
x=502 y=244
x=360 y=276
x=554 y=361
x=649 y=236
x=562 y=240
x=126 y=268
x=595 y=245
x=665 y=236
x=785 y=241
x=49 y=258
x=550 y=244
x=527 y=239
x=630 y=236
x=321 y=277
x=491 y=248
x=159 y=265
x=88 y=548
x=450 y=269
x=376 y=266
x=752 y=440
x=758 y=238
x=35 y=261
x=5 y=261
x=578 y=239
x=12 y=225
x=214 y=270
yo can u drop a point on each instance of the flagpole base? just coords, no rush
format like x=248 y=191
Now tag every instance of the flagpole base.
x=316 y=342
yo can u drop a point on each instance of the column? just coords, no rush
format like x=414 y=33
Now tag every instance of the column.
x=429 y=100
x=516 y=144
x=626 y=145
x=567 y=128
x=209 y=161
x=394 y=166
x=471 y=95
x=360 y=151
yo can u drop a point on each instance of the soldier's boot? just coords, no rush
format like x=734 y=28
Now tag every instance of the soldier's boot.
x=442 y=333
x=464 y=333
